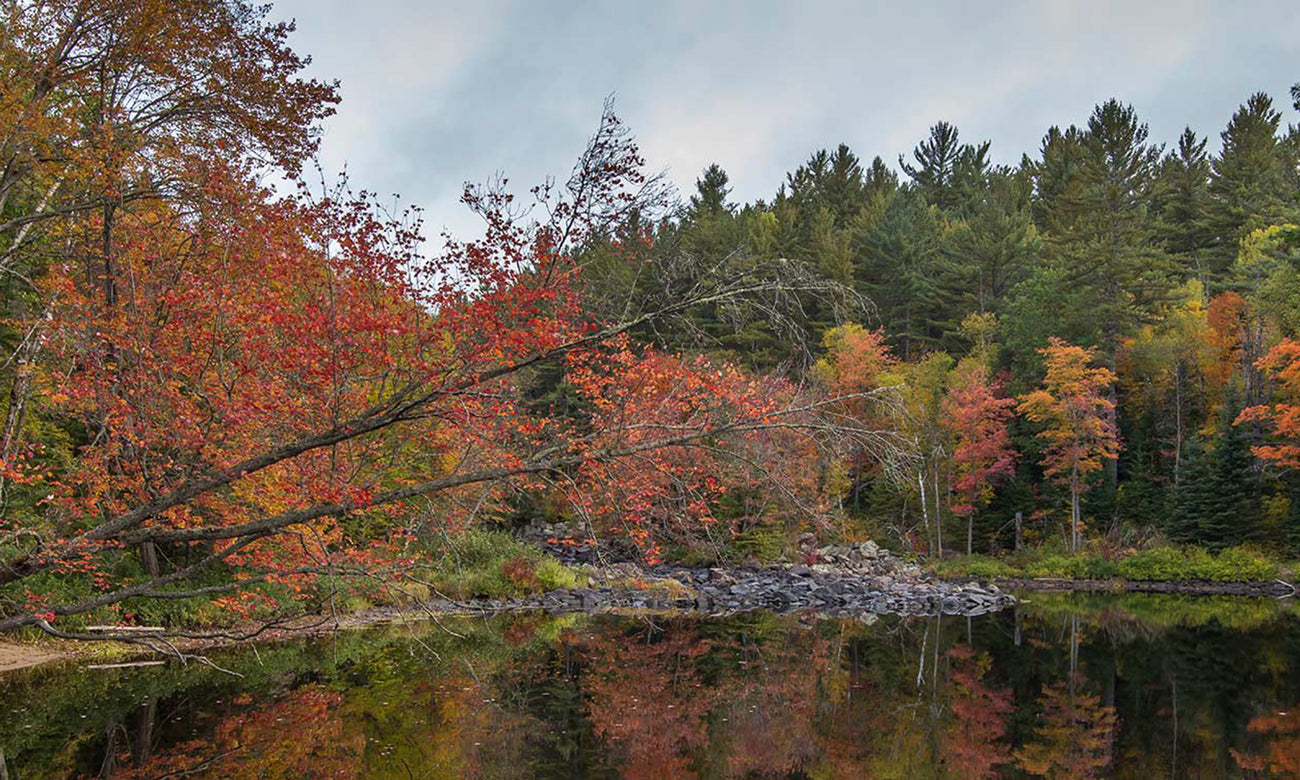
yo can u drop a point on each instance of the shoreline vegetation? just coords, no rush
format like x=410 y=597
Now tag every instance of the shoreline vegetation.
x=223 y=403
x=1237 y=571
x=491 y=572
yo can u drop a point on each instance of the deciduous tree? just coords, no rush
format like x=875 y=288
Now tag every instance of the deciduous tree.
x=1077 y=415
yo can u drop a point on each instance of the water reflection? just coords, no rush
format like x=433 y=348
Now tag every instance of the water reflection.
x=1063 y=687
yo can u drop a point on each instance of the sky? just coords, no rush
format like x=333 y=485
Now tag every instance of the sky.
x=439 y=93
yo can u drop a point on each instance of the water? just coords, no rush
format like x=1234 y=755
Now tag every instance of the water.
x=1062 y=687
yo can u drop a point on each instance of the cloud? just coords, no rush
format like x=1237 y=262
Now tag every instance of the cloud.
x=439 y=93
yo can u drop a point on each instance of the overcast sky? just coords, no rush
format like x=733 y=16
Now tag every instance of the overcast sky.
x=437 y=93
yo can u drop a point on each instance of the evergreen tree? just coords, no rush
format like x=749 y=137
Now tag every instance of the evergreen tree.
x=1183 y=201
x=1055 y=175
x=1194 y=498
x=995 y=247
x=1249 y=181
x=947 y=172
x=1217 y=498
x=901 y=269
x=711 y=191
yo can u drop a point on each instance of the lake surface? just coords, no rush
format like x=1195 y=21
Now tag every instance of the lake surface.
x=1063 y=687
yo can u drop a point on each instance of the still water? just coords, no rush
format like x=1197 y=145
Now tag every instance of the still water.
x=1061 y=687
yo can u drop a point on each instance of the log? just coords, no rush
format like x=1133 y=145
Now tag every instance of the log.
x=127 y=629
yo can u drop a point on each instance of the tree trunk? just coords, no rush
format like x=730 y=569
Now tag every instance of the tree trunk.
x=925 y=505
x=1018 y=516
x=142 y=749
x=149 y=559
x=1074 y=510
x=1178 y=419
x=19 y=391
x=1074 y=518
x=938 y=514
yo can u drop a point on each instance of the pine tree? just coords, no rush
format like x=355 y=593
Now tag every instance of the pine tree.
x=711 y=191
x=1183 y=202
x=901 y=270
x=993 y=249
x=947 y=172
x=1249 y=182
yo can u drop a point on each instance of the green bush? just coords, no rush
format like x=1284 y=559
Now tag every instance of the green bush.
x=1160 y=563
x=1170 y=563
x=1075 y=567
x=491 y=564
x=764 y=542
x=978 y=566
x=1240 y=564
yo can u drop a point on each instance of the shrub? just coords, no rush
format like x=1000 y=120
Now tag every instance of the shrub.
x=1160 y=563
x=1237 y=564
x=492 y=564
x=1240 y=564
x=522 y=574
x=978 y=566
x=555 y=576
x=1076 y=567
x=764 y=542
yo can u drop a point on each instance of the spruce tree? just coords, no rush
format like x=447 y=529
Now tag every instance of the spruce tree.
x=711 y=191
x=1216 y=501
x=1194 y=497
x=1234 y=484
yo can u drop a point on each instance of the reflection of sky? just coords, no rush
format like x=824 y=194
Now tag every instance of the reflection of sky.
x=436 y=93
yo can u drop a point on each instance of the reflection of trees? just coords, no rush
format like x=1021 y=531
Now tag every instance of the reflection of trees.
x=753 y=696
x=644 y=699
x=973 y=741
x=1280 y=753
x=298 y=736
x=1074 y=736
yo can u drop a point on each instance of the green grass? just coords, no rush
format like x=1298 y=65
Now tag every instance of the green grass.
x=491 y=564
x=1159 y=564
x=477 y=563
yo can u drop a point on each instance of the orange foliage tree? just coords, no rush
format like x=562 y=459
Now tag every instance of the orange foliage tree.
x=1079 y=429
x=977 y=417
x=280 y=389
x=1282 y=363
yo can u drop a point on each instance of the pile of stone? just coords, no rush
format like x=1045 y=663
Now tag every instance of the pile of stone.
x=866 y=559
x=848 y=580
x=800 y=589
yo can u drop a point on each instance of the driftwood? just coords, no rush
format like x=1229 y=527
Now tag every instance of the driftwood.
x=126 y=665
x=127 y=629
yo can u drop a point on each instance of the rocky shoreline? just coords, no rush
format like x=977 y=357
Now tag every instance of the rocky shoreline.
x=841 y=581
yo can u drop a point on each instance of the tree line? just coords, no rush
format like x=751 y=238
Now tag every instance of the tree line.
x=215 y=391
x=1174 y=269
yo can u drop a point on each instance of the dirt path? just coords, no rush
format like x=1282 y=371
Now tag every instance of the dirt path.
x=21 y=656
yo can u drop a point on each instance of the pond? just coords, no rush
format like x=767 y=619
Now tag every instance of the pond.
x=1063 y=686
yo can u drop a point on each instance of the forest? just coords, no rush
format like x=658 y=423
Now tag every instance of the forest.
x=1100 y=337
x=229 y=378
